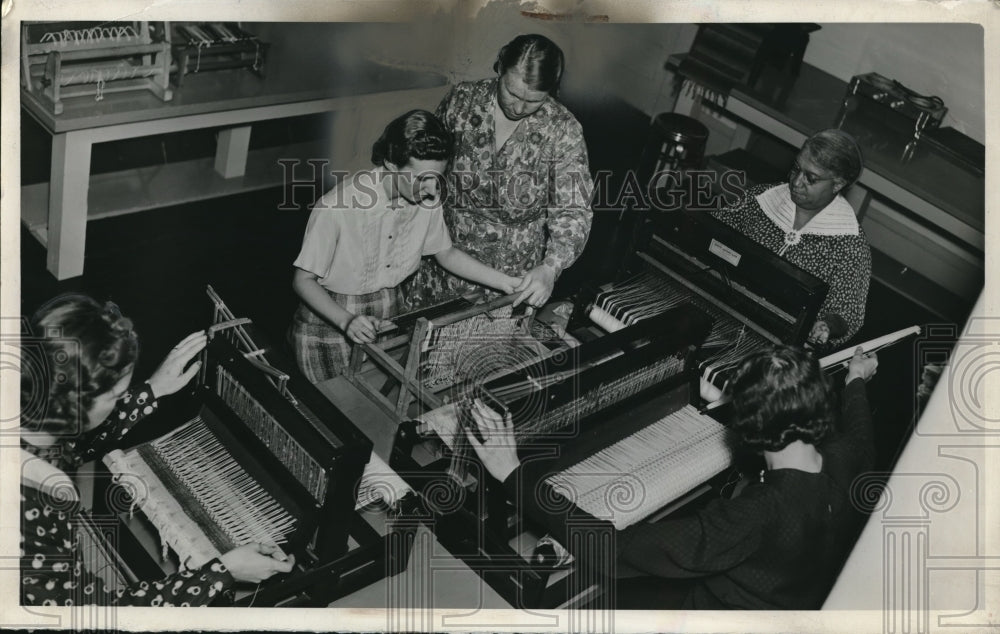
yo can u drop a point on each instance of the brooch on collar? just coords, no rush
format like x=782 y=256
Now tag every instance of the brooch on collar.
x=792 y=238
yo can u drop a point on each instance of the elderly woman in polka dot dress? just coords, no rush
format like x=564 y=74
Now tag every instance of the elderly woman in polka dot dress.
x=76 y=403
x=809 y=223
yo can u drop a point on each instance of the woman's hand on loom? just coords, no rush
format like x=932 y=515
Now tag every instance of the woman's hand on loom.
x=498 y=448
x=863 y=365
x=536 y=286
x=256 y=562
x=508 y=284
x=362 y=329
x=171 y=375
x=819 y=334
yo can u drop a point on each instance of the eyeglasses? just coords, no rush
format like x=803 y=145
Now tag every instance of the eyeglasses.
x=811 y=179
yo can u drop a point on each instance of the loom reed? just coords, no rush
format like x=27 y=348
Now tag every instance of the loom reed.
x=235 y=501
x=278 y=440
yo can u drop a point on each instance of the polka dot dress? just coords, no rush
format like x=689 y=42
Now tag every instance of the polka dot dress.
x=68 y=455
x=842 y=261
x=52 y=568
x=53 y=573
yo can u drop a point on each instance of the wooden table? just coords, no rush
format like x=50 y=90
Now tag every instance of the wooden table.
x=362 y=95
x=926 y=215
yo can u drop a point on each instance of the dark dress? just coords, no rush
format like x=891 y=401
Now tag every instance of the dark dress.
x=778 y=545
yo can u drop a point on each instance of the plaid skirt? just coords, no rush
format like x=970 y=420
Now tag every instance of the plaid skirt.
x=320 y=349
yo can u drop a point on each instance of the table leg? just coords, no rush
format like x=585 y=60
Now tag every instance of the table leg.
x=69 y=183
x=231 y=152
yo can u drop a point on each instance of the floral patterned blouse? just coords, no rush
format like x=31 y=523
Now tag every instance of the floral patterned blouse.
x=512 y=207
x=52 y=564
x=832 y=246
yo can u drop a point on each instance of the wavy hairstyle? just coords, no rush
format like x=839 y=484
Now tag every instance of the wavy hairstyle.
x=418 y=134
x=838 y=152
x=780 y=395
x=539 y=59
x=77 y=349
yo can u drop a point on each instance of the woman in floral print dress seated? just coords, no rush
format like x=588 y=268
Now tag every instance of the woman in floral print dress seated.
x=76 y=402
x=519 y=184
x=809 y=223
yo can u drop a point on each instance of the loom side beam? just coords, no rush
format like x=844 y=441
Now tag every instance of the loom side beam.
x=472 y=311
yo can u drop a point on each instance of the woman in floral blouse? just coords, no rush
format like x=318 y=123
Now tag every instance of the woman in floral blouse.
x=76 y=403
x=519 y=183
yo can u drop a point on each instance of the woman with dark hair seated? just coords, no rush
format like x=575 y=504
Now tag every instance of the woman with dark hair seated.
x=76 y=403
x=780 y=542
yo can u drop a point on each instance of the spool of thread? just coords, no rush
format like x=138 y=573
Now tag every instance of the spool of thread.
x=604 y=319
x=709 y=393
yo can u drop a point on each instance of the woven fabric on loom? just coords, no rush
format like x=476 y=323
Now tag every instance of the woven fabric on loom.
x=199 y=498
x=474 y=348
x=176 y=528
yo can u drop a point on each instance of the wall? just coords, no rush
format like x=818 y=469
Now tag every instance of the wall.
x=946 y=60
x=622 y=59
x=627 y=59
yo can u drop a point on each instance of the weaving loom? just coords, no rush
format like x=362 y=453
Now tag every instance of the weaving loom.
x=598 y=416
x=107 y=550
x=216 y=46
x=431 y=353
x=266 y=459
x=617 y=411
x=60 y=60
x=754 y=297
x=592 y=404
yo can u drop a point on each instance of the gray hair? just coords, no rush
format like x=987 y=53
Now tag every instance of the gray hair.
x=838 y=152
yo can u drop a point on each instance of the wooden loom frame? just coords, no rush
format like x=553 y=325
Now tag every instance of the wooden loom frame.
x=335 y=573
x=245 y=52
x=332 y=566
x=45 y=72
x=474 y=524
x=406 y=374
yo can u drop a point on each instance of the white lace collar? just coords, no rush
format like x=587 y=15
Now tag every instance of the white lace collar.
x=836 y=219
